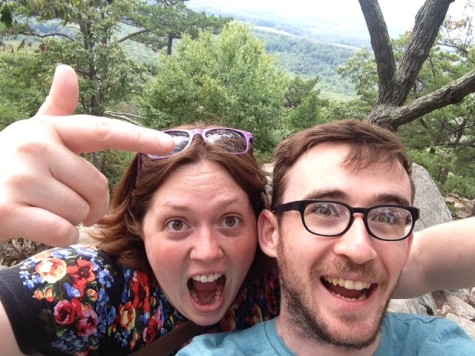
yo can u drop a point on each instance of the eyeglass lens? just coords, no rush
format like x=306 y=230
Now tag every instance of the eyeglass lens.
x=232 y=140
x=331 y=219
x=181 y=138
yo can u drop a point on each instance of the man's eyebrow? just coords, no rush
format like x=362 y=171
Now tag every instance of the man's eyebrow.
x=336 y=194
x=390 y=199
x=333 y=194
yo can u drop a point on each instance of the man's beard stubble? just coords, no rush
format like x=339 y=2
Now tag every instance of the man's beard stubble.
x=309 y=321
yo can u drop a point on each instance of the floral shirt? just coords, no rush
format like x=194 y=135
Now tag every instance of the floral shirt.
x=79 y=301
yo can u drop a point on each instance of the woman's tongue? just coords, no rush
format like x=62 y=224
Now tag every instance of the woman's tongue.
x=205 y=293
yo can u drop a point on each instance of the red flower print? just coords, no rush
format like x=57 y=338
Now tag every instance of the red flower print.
x=140 y=286
x=81 y=273
x=150 y=331
x=87 y=325
x=66 y=312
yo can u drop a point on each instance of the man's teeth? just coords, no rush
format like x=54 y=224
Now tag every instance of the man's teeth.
x=347 y=284
x=207 y=278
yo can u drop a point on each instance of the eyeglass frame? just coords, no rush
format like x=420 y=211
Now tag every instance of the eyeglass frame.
x=301 y=205
x=200 y=132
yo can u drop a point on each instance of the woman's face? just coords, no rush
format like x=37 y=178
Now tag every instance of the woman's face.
x=200 y=238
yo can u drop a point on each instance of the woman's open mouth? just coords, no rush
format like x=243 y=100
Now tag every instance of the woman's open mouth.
x=206 y=289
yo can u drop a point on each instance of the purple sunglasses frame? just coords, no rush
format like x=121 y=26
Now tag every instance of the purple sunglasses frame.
x=201 y=132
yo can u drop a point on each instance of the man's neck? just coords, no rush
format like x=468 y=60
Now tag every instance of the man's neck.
x=302 y=345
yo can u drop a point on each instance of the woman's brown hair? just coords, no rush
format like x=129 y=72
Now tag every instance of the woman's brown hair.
x=120 y=231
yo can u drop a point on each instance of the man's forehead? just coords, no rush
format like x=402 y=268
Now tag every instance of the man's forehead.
x=323 y=168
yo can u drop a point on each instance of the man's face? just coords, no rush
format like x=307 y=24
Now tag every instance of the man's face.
x=336 y=289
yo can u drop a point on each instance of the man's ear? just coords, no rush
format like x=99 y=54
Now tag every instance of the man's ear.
x=268 y=232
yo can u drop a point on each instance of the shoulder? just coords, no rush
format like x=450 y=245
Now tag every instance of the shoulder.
x=261 y=339
x=420 y=334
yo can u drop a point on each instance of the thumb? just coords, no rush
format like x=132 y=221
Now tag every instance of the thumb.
x=64 y=93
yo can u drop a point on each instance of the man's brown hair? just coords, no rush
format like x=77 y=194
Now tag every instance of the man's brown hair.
x=368 y=144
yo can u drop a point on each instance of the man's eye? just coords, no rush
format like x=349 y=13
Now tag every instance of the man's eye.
x=176 y=225
x=387 y=218
x=324 y=209
x=231 y=221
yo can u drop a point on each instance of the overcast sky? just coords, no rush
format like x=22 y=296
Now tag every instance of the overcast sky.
x=399 y=14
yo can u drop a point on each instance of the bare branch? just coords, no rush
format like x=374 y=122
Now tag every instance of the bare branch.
x=59 y=34
x=429 y=18
x=381 y=43
x=123 y=116
x=129 y=36
x=452 y=93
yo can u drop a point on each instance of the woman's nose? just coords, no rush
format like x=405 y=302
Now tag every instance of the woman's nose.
x=206 y=246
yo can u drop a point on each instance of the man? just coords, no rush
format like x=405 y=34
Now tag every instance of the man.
x=341 y=230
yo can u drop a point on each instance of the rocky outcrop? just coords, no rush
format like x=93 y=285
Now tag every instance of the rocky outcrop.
x=456 y=305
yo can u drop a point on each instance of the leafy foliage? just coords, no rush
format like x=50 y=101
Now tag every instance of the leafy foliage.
x=227 y=79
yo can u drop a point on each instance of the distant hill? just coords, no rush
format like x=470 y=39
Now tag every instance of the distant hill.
x=311 y=27
x=304 y=46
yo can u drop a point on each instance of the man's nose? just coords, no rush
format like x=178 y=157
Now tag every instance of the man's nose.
x=206 y=246
x=356 y=243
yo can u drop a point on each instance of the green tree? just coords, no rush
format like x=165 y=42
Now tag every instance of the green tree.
x=227 y=79
x=302 y=103
x=89 y=35
x=21 y=92
x=82 y=34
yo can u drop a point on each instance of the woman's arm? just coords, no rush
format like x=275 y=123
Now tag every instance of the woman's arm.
x=442 y=257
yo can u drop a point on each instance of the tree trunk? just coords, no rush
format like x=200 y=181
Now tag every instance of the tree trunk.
x=395 y=82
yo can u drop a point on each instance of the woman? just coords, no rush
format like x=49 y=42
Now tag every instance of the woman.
x=177 y=245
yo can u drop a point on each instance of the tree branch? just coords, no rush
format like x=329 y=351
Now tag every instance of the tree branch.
x=123 y=116
x=429 y=18
x=129 y=36
x=452 y=93
x=25 y=33
x=381 y=43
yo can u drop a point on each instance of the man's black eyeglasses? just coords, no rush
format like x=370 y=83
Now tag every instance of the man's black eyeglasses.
x=332 y=218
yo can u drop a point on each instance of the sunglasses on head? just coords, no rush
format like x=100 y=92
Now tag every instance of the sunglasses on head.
x=232 y=140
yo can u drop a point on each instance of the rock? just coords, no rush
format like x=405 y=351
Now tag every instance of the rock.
x=471 y=298
x=468 y=326
x=459 y=306
x=428 y=199
x=422 y=305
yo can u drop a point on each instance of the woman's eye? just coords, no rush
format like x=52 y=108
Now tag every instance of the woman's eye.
x=176 y=225
x=231 y=221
